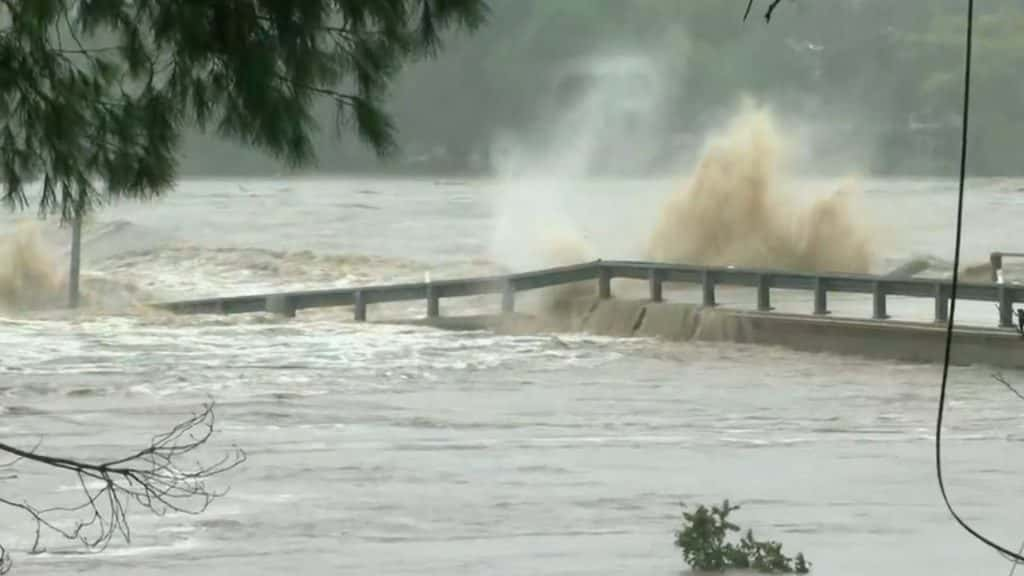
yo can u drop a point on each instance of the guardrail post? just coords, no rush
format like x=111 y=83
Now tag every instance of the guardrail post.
x=878 y=295
x=604 y=284
x=764 y=299
x=996 y=260
x=433 y=302
x=707 y=282
x=820 y=297
x=359 y=308
x=941 y=304
x=654 y=275
x=280 y=304
x=508 y=298
x=1005 y=307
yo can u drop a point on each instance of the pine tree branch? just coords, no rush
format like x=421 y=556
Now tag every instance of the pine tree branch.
x=87 y=51
x=172 y=64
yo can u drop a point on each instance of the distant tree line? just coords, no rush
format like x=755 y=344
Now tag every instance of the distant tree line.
x=884 y=75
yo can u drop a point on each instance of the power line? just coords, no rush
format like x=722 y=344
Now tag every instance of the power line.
x=1014 y=556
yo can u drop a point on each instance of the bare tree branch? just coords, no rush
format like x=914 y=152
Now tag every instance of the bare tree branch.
x=767 y=14
x=771 y=9
x=160 y=477
x=5 y=560
x=1002 y=380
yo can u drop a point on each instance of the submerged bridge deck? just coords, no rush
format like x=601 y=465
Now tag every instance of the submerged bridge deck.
x=604 y=271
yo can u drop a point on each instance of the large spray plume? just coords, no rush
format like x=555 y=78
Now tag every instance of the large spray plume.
x=742 y=205
x=742 y=208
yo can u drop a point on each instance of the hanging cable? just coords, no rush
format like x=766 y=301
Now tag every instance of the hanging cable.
x=1015 y=557
x=1010 y=554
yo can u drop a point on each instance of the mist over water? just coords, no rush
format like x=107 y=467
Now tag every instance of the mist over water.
x=602 y=122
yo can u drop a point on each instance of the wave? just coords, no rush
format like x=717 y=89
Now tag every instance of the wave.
x=125 y=265
x=932 y=266
x=230 y=268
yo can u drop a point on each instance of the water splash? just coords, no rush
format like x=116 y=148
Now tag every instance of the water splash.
x=740 y=208
x=28 y=272
x=33 y=278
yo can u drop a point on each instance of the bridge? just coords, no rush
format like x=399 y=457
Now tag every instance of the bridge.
x=880 y=287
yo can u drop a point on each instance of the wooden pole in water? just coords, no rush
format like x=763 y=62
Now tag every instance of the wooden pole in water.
x=76 y=259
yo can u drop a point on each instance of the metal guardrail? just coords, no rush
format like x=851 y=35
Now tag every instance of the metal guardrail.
x=657 y=274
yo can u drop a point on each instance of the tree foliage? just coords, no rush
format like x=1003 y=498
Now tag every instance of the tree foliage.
x=95 y=94
x=704 y=544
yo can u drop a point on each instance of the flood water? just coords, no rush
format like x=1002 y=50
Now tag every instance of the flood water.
x=390 y=449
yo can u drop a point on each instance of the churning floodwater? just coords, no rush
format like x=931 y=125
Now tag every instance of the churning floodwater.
x=391 y=449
